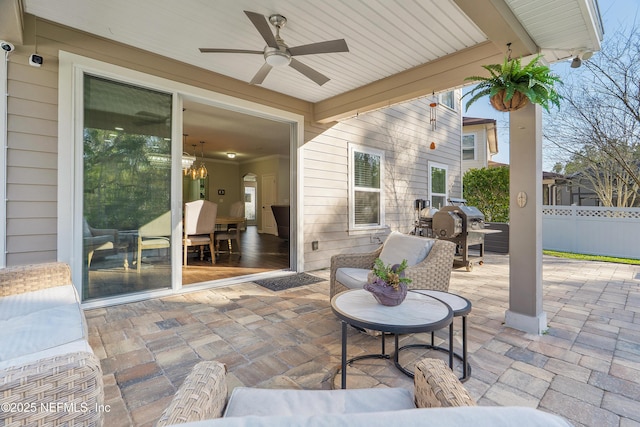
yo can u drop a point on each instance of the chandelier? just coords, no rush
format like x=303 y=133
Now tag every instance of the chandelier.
x=187 y=159
x=197 y=172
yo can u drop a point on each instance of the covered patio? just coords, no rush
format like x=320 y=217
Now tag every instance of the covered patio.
x=586 y=368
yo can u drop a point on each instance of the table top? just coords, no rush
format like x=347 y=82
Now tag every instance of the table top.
x=417 y=313
x=229 y=219
x=460 y=305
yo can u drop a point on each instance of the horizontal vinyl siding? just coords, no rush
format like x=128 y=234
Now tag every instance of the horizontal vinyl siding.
x=32 y=162
x=404 y=133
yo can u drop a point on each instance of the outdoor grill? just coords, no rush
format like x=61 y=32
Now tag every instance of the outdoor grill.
x=464 y=226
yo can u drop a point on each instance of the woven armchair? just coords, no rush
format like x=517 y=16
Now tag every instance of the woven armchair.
x=203 y=395
x=434 y=272
x=73 y=379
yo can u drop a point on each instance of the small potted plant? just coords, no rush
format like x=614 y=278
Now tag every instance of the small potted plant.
x=511 y=86
x=387 y=282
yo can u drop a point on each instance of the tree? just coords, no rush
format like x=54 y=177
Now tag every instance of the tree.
x=488 y=190
x=598 y=125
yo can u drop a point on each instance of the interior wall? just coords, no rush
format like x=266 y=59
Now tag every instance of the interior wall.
x=277 y=165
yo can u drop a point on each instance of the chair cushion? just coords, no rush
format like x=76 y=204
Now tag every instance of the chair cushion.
x=17 y=305
x=462 y=416
x=246 y=401
x=400 y=246
x=41 y=330
x=198 y=240
x=352 y=278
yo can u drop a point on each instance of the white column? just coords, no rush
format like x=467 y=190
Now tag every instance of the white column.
x=525 y=224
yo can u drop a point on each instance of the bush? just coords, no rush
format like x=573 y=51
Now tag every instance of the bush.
x=488 y=190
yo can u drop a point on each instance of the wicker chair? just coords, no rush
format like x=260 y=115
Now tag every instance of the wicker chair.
x=434 y=272
x=203 y=394
x=74 y=378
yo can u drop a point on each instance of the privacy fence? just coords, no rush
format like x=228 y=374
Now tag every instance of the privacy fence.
x=592 y=230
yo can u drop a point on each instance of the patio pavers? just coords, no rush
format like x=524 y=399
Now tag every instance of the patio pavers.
x=585 y=368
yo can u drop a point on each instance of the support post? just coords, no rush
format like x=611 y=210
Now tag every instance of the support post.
x=525 y=225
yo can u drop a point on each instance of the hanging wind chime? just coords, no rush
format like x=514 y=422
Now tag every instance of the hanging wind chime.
x=433 y=112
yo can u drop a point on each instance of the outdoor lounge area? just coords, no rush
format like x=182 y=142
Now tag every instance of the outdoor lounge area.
x=585 y=368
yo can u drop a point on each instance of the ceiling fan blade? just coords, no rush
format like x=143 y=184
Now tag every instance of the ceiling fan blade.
x=309 y=72
x=261 y=74
x=330 y=46
x=262 y=25
x=214 y=50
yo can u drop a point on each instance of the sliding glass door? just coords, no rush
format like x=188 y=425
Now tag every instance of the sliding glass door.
x=126 y=188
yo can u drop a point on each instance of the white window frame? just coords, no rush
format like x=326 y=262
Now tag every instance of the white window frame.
x=353 y=148
x=453 y=98
x=431 y=166
x=475 y=147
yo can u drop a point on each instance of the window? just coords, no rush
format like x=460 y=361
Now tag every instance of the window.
x=438 y=185
x=448 y=99
x=366 y=201
x=469 y=146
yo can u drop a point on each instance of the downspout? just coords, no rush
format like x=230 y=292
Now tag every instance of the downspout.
x=3 y=158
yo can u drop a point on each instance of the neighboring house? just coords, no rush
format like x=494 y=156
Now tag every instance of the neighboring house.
x=574 y=189
x=555 y=190
x=349 y=157
x=479 y=142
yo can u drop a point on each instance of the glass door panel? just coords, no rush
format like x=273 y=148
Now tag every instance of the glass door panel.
x=126 y=188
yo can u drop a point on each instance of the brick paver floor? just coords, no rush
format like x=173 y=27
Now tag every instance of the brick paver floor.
x=586 y=368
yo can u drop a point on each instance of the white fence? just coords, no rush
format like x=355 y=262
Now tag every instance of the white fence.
x=592 y=230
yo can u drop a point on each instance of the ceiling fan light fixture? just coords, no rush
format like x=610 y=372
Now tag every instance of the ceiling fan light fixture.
x=276 y=57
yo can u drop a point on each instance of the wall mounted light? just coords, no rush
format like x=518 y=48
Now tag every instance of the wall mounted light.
x=432 y=145
x=231 y=155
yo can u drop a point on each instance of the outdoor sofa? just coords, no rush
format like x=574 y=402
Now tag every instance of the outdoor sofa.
x=49 y=374
x=438 y=399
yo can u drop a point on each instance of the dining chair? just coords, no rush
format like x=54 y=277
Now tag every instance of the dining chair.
x=233 y=230
x=199 y=227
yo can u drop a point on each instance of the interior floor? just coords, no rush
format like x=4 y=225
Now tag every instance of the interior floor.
x=260 y=253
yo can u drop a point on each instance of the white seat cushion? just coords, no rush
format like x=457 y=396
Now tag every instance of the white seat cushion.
x=400 y=246
x=462 y=416
x=53 y=323
x=16 y=305
x=352 y=278
x=246 y=401
x=79 y=346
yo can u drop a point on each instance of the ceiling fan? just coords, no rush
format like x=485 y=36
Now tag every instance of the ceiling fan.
x=277 y=53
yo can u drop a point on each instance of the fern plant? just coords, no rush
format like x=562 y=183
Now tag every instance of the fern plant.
x=533 y=81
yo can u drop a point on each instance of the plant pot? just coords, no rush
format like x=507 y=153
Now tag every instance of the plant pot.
x=385 y=294
x=517 y=101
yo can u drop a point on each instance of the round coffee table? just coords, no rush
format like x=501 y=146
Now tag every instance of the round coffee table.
x=417 y=313
x=461 y=308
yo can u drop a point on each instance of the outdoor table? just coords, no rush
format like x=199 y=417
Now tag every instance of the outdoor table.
x=417 y=313
x=461 y=308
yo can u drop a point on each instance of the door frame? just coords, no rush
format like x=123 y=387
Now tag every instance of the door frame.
x=69 y=237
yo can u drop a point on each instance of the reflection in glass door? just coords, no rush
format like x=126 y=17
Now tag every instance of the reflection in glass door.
x=126 y=187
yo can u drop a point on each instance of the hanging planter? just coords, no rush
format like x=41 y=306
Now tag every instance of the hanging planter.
x=511 y=86
x=499 y=101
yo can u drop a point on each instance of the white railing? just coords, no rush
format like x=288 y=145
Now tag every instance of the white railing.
x=592 y=230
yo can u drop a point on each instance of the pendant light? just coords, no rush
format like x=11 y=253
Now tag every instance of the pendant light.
x=202 y=170
x=187 y=159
